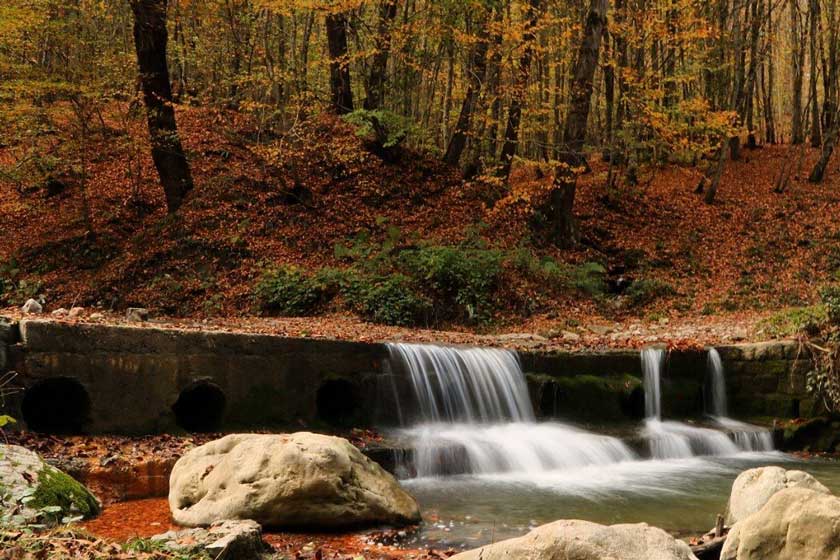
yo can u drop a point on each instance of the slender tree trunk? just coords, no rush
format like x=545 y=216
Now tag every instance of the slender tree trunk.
x=562 y=197
x=511 y=143
x=150 y=39
x=476 y=70
x=752 y=74
x=769 y=85
x=797 y=56
x=379 y=66
x=340 y=85
x=814 y=17
x=818 y=173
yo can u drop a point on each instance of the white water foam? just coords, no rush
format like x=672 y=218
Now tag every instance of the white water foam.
x=476 y=417
x=747 y=436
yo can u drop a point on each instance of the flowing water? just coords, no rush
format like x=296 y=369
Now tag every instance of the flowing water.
x=746 y=436
x=483 y=469
x=678 y=440
x=475 y=416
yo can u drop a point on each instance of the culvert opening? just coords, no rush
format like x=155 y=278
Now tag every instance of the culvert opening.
x=338 y=402
x=200 y=408
x=56 y=406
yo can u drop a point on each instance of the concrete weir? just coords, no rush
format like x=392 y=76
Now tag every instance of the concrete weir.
x=95 y=379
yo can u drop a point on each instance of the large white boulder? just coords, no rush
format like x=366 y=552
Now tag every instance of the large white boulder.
x=583 y=540
x=754 y=488
x=795 y=524
x=292 y=480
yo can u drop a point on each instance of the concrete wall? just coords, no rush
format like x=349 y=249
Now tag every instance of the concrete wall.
x=132 y=378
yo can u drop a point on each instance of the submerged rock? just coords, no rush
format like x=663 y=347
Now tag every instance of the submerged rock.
x=223 y=540
x=796 y=523
x=754 y=488
x=294 y=480
x=583 y=540
x=32 y=491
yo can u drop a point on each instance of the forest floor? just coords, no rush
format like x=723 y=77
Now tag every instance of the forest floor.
x=718 y=273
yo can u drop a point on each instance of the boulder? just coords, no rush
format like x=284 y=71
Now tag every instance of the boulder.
x=754 y=488
x=31 y=491
x=32 y=307
x=290 y=480
x=583 y=540
x=223 y=540
x=75 y=312
x=795 y=524
x=60 y=312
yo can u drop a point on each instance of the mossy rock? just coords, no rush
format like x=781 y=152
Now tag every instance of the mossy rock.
x=31 y=491
x=588 y=397
x=817 y=435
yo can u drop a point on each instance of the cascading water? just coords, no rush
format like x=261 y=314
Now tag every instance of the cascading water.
x=474 y=415
x=716 y=387
x=674 y=440
x=747 y=437
x=652 y=359
x=677 y=440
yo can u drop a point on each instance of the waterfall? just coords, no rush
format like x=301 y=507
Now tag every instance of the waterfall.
x=469 y=411
x=652 y=359
x=678 y=440
x=746 y=436
x=716 y=396
x=472 y=385
x=474 y=415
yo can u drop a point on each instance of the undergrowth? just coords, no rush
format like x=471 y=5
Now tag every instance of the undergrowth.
x=409 y=284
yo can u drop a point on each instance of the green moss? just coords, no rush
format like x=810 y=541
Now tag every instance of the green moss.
x=56 y=488
x=589 y=397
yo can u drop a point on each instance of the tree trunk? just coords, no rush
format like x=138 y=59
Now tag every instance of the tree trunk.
x=379 y=65
x=340 y=85
x=476 y=70
x=797 y=55
x=768 y=85
x=814 y=17
x=150 y=38
x=511 y=143
x=818 y=173
x=749 y=93
x=562 y=197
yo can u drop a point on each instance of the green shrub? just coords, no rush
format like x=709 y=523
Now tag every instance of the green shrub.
x=789 y=322
x=394 y=300
x=289 y=291
x=830 y=296
x=464 y=280
x=589 y=278
x=647 y=290
x=388 y=129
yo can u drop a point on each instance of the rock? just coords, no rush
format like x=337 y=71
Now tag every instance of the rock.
x=739 y=334
x=754 y=488
x=137 y=314
x=36 y=492
x=32 y=307
x=223 y=540
x=600 y=330
x=796 y=523
x=290 y=480
x=583 y=540
x=75 y=312
x=571 y=336
x=60 y=312
x=96 y=316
